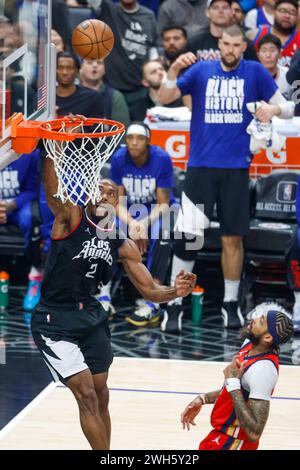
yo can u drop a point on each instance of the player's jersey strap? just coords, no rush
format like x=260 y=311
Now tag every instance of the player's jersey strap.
x=223 y=417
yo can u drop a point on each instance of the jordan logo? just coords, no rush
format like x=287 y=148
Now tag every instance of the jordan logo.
x=216 y=440
x=88 y=230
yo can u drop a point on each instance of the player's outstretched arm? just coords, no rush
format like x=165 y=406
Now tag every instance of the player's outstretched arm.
x=143 y=281
x=190 y=412
x=169 y=91
x=66 y=214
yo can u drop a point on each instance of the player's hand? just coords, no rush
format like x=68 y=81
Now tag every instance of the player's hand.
x=235 y=369
x=185 y=283
x=138 y=233
x=190 y=412
x=3 y=213
x=267 y=111
x=183 y=61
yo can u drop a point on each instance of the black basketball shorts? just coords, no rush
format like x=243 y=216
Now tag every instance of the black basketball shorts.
x=228 y=189
x=72 y=338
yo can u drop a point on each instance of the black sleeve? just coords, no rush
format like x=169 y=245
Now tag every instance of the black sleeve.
x=61 y=20
x=294 y=70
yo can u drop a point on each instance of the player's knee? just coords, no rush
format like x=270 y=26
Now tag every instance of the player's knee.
x=181 y=249
x=103 y=398
x=232 y=243
x=87 y=400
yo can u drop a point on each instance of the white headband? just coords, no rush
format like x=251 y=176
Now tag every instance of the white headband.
x=138 y=129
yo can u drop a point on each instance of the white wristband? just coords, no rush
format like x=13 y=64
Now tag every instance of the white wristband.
x=170 y=83
x=232 y=384
x=287 y=109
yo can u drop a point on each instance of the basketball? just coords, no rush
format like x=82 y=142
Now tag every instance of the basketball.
x=92 y=40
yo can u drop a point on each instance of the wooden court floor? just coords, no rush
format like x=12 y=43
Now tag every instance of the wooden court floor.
x=147 y=397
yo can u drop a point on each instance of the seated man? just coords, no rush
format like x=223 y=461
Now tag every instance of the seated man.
x=144 y=174
x=293 y=266
x=19 y=183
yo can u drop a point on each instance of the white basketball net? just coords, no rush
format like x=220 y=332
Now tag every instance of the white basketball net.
x=78 y=163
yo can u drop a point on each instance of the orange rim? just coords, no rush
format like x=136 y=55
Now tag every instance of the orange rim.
x=26 y=134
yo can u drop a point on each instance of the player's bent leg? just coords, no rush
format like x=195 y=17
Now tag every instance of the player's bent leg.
x=92 y=424
x=102 y=391
x=232 y=263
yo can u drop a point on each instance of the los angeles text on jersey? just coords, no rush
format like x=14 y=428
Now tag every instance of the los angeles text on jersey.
x=95 y=249
x=151 y=459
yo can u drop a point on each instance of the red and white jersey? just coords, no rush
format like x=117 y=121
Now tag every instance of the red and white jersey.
x=288 y=49
x=223 y=417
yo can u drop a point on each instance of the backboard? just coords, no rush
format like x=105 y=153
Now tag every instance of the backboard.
x=25 y=57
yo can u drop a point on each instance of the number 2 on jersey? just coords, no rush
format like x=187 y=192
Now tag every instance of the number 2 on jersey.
x=91 y=273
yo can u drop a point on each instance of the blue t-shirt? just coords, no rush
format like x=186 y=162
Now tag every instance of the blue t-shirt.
x=219 y=114
x=141 y=183
x=20 y=179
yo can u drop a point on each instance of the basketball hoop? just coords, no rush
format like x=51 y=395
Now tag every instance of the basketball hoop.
x=78 y=147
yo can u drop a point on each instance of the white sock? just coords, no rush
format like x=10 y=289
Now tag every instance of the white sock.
x=105 y=290
x=231 y=290
x=296 y=308
x=177 y=265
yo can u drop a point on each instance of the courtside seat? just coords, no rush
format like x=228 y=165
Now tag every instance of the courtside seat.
x=274 y=217
x=11 y=241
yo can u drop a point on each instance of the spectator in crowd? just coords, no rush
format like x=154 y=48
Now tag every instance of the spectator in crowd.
x=151 y=4
x=190 y=14
x=153 y=76
x=19 y=183
x=206 y=45
x=134 y=28
x=144 y=174
x=238 y=15
x=72 y=98
x=293 y=78
x=293 y=265
x=92 y=75
x=285 y=21
x=261 y=16
x=268 y=51
x=219 y=157
x=58 y=41
x=174 y=41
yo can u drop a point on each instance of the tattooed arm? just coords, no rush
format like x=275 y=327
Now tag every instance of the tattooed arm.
x=193 y=408
x=252 y=416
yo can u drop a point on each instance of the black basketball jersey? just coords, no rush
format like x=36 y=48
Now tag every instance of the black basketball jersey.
x=79 y=262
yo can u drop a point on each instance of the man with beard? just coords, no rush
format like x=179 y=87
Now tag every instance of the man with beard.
x=153 y=75
x=206 y=45
x=285 y=23
x=69 y=325
x=241 y=406
x=174 y=41
x=219 y=157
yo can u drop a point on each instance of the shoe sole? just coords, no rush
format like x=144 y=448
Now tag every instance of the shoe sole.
x=142 y=323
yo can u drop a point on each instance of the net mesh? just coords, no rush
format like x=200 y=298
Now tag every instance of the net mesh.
x=78 y=163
